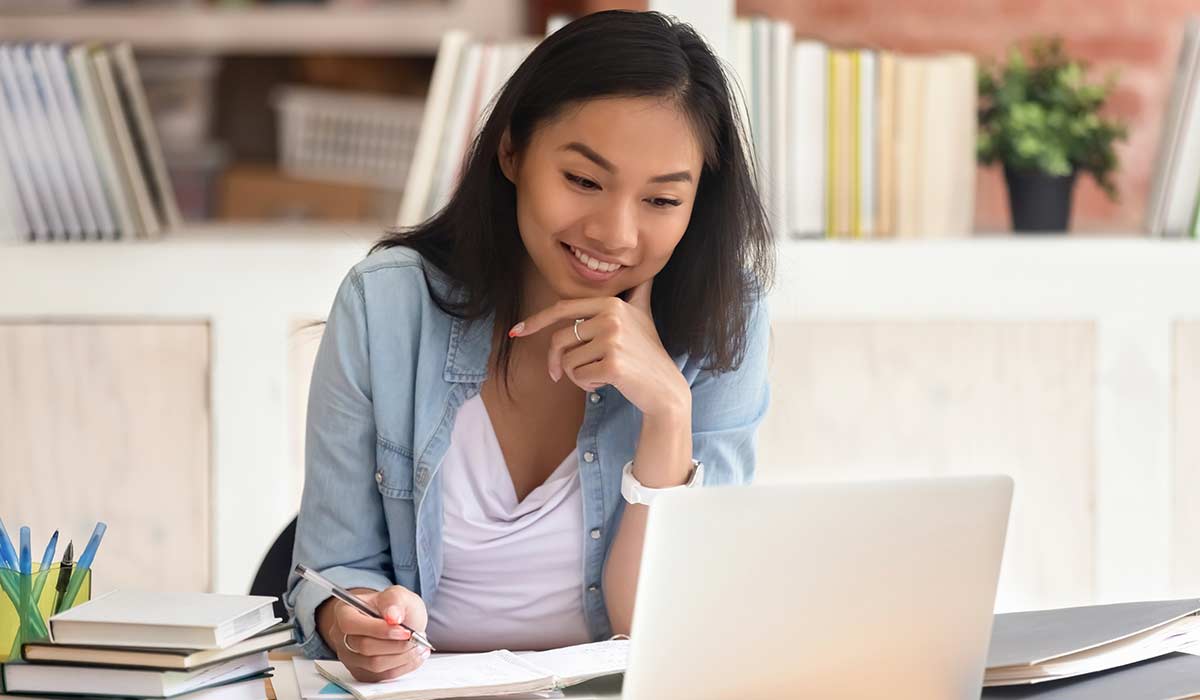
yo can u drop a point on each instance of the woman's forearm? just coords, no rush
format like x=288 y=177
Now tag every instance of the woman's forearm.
x=663 y=459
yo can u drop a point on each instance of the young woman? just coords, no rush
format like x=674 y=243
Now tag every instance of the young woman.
x=502 y=389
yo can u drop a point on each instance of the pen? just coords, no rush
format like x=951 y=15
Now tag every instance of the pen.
x=44 y=567
x=26 y=562
x=84 y=563
x=8 y=555
x=353 y=601
x=64 y=577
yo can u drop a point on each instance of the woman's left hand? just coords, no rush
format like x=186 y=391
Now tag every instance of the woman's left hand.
x=620 y=346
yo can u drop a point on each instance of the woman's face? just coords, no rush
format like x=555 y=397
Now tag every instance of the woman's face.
x=604 y=193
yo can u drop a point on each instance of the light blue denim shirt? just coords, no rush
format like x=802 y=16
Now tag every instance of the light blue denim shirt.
x=390 y=375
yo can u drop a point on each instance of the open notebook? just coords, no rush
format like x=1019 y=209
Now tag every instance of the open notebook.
x=494 y=673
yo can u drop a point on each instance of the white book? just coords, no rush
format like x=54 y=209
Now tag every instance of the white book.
x=492 y=673
x=14 y=161
x=35 y=160
x=429 y=139
x=911 y=83
x=72 y=164
x=868 y=109
x=1183 y=176
x=939 y=154
x=807 y=159
x=165 y=620
x=459 y=119
x=1182 y=86
x=101 y=680
x=760 y=107
x=60 y=79
x=964 y=112
x=115 y=181
x=150 y=226
x=14 y=227
x=782 y=38
x=141 y=122
x=249 y=689
x=56 y=164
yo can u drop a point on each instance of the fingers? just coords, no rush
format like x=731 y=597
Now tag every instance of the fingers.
x=370 y=646
x=567 y=309
x=352 y=622
x=580 y=357
x=564 y=340
x=594 y=375
x=397 y=604
x=373 y=669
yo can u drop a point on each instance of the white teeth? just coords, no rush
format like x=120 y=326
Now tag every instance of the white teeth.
x=592 y=263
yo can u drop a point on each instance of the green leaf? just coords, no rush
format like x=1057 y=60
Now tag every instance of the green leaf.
x=1037 y=110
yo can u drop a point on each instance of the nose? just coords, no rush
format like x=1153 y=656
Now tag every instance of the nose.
x=613 y=229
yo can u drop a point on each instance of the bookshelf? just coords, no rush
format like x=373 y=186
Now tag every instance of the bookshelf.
x=412 y=27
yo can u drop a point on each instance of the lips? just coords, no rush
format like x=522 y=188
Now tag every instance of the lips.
x=592 y=270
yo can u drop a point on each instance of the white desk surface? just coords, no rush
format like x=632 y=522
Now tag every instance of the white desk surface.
x=609 y=688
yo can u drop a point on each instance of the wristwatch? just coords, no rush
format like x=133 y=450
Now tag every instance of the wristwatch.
x=635 y=493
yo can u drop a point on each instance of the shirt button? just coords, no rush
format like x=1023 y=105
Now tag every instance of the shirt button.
x=379 y=477
x=589 y=457
x=596 y=534
x=594 y=398
x=593 y=588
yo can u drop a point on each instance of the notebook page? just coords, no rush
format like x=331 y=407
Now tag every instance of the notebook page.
x=461 y=675
x=576 y=664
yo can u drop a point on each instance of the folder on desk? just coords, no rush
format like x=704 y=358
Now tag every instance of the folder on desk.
x=1171 y=677
x=1049 y=645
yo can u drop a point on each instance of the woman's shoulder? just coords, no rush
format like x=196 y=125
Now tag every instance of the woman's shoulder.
x=397 y=269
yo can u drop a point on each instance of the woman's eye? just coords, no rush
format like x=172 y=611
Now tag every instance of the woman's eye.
x=663 y=202
x=581 y=181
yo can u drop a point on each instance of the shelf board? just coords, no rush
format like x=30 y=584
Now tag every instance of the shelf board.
x=411 y=27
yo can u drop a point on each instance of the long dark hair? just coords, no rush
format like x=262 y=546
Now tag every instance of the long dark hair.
x=702 y=298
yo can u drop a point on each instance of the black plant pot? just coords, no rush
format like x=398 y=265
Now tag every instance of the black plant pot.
x=1039 y=203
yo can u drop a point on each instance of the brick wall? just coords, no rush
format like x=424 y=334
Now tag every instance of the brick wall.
x=1138 y=39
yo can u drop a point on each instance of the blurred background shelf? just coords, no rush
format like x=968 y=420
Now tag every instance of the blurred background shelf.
x=408 y=28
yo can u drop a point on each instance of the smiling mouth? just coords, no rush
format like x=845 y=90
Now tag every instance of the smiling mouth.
x=592 y=263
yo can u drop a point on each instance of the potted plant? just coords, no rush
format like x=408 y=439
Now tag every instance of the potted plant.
x=1041 y=120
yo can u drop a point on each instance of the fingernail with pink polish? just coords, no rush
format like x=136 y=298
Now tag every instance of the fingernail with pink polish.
x=516 y=330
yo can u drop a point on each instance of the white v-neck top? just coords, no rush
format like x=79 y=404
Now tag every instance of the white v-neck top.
x=512 y=572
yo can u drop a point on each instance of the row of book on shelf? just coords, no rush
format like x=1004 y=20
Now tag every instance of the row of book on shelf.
x=79 y=155
x=849 y=143
x=858 y=142
x=1173 y=209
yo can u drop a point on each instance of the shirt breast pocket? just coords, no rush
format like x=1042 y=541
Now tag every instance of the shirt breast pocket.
x=394 y=476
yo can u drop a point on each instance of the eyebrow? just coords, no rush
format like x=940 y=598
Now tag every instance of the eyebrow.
x=587 y=152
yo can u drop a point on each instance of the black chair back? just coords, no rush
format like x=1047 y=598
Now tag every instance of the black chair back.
x=272 y=575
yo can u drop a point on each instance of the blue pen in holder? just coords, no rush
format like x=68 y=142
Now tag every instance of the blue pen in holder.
x=27 y=601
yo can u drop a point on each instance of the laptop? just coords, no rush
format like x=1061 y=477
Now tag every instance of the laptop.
x=837 y=590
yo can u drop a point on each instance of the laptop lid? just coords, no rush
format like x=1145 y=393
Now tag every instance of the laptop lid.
x=833 y=590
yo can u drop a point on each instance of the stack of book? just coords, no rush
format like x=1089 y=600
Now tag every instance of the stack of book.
x=79 y=156
x=153 y=645
x=1173 y=209
x=858 y=142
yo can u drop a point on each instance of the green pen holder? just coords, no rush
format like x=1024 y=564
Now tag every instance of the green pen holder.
x=26 y=604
